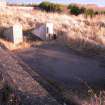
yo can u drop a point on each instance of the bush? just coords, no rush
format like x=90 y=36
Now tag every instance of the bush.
x=59 y=7
x=90 y=13
x=51 y=7
x=75 y=10
x=44 y=6
x=102 y=12
x=82 y=9
x=97 y=12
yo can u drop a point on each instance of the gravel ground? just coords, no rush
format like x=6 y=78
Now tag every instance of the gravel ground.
x=65 y=68
x=61 y=64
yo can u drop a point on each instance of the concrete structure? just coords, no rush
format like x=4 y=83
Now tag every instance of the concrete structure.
x=2 y=3
x=44 y=32
x=14 y=34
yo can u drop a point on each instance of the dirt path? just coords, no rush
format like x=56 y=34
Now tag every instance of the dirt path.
x=65 y=67
x=31 y=91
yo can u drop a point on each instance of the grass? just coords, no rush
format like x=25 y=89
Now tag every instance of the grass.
x=76 y=31
x=90 y=38
x=9 y=45
x=84 y=35
x=96 y=99
x=78 y=96
x=80 y=33
x=8 y=95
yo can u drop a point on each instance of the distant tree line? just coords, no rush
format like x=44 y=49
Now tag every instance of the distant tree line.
x=76 y=10
x=72 y=8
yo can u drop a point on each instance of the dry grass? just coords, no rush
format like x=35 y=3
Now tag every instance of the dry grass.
x=96 y=99
x=88 y=36
x=78 y=32
x=11 y=46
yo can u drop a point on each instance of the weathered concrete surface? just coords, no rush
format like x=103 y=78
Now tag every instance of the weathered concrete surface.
x=14 y=33
x=35 y=93
x=58 y=63
x=45 y=31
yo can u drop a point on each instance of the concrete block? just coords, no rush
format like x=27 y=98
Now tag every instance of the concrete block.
x=45 y=32
x=14 y=34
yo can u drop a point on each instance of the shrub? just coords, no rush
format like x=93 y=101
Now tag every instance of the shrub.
x=44 y=5
x=97 y=12
x=102 y=12
x=59 y=7
x=75 y=10
x=51 y=7
x=90 y=13
x=82 y=9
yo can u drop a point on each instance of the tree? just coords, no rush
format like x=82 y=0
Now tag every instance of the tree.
x=51 y=7
x=75 y=10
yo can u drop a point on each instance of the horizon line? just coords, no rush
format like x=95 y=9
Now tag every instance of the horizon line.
x=56 y=3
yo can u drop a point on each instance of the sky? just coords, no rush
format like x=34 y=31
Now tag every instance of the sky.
x=98 y=2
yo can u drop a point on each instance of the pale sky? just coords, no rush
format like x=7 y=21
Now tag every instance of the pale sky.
x=98 y=2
